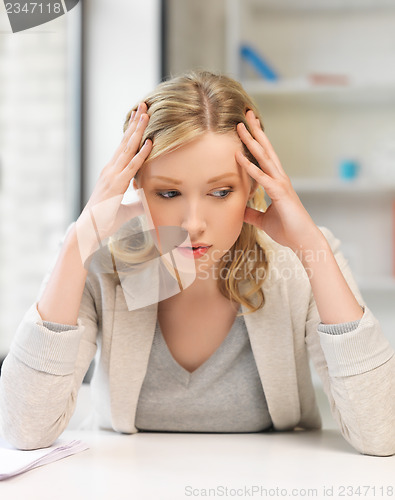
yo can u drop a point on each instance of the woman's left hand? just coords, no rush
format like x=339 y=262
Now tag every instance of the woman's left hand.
x=286 y=220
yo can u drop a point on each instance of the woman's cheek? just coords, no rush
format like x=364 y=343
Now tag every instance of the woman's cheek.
x=235 y=216
x=157 y=213
x=239 y=209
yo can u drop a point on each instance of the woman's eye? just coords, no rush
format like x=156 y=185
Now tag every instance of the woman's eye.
x=167 y=194
x=222 y=193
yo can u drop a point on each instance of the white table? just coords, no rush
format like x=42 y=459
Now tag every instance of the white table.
x=161 y=466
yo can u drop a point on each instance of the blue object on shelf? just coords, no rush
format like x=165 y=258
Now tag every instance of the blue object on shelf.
x=348 y=169
x=258 y=63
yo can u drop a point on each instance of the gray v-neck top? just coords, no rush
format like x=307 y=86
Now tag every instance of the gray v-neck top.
x=224 y=394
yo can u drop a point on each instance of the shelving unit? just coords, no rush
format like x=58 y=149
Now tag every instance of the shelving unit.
x=333 y=186
x=314 y=127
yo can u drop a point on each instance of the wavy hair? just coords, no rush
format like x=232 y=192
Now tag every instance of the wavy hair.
x=180 y=110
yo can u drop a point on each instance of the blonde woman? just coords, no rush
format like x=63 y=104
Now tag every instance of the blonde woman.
x=229 y=352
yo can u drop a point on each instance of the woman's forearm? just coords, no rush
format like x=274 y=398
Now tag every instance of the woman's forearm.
x=61 y=299
x=335 y=301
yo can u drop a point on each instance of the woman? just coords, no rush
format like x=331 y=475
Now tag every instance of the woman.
x=229 y=352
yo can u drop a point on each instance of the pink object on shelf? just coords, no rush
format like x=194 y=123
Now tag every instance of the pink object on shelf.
x=328 y=79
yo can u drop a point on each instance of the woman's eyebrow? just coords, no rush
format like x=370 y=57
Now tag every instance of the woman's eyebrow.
x=210 y=181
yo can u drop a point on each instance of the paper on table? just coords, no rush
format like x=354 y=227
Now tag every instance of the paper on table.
x=14 y=462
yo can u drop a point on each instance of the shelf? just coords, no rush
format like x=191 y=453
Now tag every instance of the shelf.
x=321 y=186
x=294 y=87
x=280 y=6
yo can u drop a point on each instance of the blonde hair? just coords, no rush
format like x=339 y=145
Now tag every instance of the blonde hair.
x=182 y=109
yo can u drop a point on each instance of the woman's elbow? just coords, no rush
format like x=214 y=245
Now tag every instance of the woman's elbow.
x=22 y=440
x=383 y=450
x=375 y=447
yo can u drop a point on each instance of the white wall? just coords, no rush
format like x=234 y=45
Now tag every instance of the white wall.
x=122 y=66
x=37 y=104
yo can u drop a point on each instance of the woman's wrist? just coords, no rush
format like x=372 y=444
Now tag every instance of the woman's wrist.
x=335 y=301
x=86 y=236
x=314 y=248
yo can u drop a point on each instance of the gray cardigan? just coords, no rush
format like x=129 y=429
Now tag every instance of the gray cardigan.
x=44 y=369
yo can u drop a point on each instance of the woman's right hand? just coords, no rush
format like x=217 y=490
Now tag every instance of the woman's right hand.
x=104 y=214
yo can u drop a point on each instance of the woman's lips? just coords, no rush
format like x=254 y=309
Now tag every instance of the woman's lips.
x=194 y=252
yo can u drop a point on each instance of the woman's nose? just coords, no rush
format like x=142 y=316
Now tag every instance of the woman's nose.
x=193 y=221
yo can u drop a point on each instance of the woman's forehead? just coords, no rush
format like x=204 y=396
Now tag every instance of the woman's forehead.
x=210 y=155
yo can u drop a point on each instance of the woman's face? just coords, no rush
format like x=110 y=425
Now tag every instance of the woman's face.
x=200 y=188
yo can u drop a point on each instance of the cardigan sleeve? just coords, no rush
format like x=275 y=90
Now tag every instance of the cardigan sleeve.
x=357 y=369
x=42 y=374
x=338 y=329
